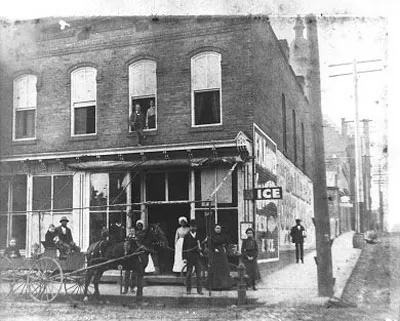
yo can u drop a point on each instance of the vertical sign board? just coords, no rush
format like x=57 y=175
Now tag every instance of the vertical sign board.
x=265 y=175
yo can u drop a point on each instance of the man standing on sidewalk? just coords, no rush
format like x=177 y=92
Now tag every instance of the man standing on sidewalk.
x=298 y=233
x=191 y=253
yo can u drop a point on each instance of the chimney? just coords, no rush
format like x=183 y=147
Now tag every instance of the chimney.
x=285 y=47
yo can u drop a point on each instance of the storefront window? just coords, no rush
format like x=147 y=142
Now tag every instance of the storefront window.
x=3 y=211
x=18 y=220
x=155 y=187
x=108 y=197
x=98 y=192
x=19 y=193
x=18 y=229
x=41 y=193
x=63 y=188
x=178 y=183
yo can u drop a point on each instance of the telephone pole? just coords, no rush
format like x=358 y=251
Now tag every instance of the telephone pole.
x=359 y=190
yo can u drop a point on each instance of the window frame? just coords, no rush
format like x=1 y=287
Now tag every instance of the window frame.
x=52 y=210
x=83 y=104
x=284 y=122
x=15 y=107
x=132 y=97
x=211 y=89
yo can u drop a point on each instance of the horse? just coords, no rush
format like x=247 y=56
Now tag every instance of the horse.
x=99 y=253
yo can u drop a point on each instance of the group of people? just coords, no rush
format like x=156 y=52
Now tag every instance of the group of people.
x=189 y=253
x=140 y=120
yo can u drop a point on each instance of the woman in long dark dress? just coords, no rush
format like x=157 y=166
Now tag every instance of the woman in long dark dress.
x=249 y=255
x=221 y=279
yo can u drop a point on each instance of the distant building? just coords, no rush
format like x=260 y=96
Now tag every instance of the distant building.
x=339 y=155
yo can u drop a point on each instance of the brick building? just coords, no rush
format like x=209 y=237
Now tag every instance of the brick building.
x=340 y=173
x=226 y=108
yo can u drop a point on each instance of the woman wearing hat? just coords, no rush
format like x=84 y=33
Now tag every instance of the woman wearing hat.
x=179 y=236
x=249 y=256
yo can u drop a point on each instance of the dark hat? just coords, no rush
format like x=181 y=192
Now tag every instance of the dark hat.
x=298 y=220
x=249 y=229
x=192 y=223
x=64 y=218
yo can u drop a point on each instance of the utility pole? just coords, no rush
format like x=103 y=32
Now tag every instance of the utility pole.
x=321 y=213
x=359 y=191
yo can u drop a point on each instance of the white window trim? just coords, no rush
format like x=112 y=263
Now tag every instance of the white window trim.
x=22 y=109
x=83 y=104
x=132 y=97
x=192 y=91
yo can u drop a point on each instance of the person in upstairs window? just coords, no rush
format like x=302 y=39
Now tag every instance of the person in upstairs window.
x=298 y=233
x=12 y=251
x=151 y=116
x=137 y=122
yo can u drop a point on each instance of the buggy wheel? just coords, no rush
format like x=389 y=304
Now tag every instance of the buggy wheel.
x=45 y=279
x=74 y=286
x=20 y=286
x=6 y=278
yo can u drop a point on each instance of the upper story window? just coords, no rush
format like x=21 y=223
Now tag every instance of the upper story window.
x=83 y=101
x=284 y=133
x=25 y=100
x=294 y=135
x=206 y=89
x=303 y=146
x=143 y=92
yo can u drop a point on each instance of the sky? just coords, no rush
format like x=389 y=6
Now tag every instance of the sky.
x=348 y=30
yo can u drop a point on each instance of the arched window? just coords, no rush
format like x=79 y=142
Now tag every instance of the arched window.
x=83 y=101
x=143 y=91
x=284 y=133
x=294 y=136
x=25 y=101
x=206 y=89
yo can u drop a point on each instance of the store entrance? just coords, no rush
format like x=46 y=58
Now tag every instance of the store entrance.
x=167 y=216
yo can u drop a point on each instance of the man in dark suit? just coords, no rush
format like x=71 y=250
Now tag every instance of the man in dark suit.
x=298 y=233
x=191 y=253
x=65 y=235
x=137 y=120
x=117 y=232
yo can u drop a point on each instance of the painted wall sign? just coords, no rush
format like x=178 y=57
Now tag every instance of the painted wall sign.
x=266 y=194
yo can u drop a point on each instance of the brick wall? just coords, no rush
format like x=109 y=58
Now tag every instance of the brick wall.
x=169 y=43
x=273 y=77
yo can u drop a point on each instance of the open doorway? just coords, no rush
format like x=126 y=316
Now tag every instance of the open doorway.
x=167 y=216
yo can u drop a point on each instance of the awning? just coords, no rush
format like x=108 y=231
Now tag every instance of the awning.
x=153 y=163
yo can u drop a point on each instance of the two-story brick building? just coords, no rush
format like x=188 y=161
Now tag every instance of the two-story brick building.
x=219 y=100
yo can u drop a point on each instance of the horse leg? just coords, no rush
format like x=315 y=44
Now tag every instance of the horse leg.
x=139 y=284
x=97 y=276
x=88 y=278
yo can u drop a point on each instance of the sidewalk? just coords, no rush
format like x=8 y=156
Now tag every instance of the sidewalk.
x=294 y=284
x=298 y=283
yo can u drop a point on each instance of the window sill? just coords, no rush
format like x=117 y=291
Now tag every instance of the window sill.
x=146 y=132
x=84 y=137
x=210 y=128
x=32 y=141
